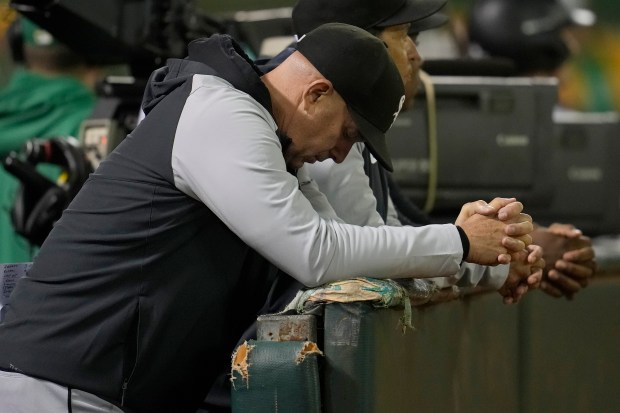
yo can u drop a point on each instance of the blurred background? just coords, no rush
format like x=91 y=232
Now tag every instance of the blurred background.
x=560 y=129
x=591 y=79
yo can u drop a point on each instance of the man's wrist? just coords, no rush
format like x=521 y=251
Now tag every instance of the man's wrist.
x=464 y=241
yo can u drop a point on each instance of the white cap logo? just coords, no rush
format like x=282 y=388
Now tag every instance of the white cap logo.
x=400 y=106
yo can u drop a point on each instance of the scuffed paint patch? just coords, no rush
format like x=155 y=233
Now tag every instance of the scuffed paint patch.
x=240 y=364
x=308 y=348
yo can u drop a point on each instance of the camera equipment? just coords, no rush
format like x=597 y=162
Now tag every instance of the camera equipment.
x=40 y=201
x=139 y=33
x=142 y=33
x=585 y=172
x=493 y=135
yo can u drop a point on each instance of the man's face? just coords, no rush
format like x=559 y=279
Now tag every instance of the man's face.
x=405 y=54
x=326 y=131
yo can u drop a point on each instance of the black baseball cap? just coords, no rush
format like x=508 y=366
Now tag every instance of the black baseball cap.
x=366 y=14
x=431 y=22
x=374 y=93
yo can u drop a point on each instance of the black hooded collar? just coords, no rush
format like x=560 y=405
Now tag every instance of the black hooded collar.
x=226 y=57
x=218 y=55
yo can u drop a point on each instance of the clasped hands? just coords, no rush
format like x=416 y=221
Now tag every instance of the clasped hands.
x=570 y=259
x=500 y=233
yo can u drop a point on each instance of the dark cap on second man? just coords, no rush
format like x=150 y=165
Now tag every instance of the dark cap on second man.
x=366 y=14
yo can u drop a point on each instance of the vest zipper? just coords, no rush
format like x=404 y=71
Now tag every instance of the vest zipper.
x=127 y=379
x=124 y=387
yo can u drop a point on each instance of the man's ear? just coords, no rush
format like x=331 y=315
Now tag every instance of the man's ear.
x=315 y=91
